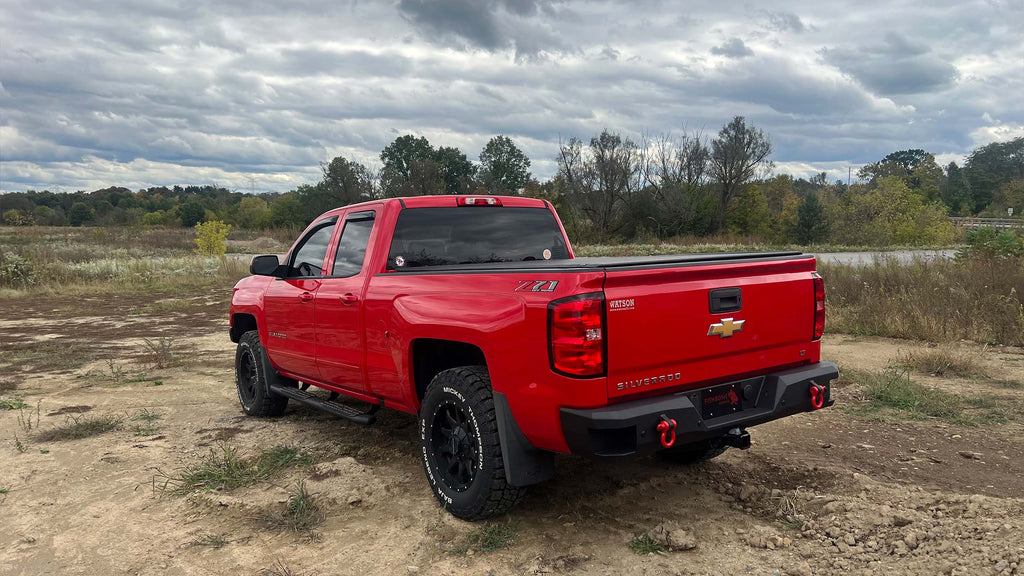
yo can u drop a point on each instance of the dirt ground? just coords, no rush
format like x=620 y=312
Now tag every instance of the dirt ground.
x=821 y=493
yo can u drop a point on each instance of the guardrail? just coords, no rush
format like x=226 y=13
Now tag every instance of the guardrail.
x=997 y=223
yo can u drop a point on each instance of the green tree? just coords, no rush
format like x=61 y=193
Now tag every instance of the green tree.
x=811 y=224
x=748 y=212
x=286 y=210
x=252 y=212
x=890 y=213
x=456 y=170
x=737 y=155
x=957 y=191
x=80 y=214
x=1009 y=195
x=989 y=167
x=191 y=213
x=504 y=167
x=409 y=168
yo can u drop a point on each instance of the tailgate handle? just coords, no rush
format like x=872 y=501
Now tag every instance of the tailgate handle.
x=721 y=300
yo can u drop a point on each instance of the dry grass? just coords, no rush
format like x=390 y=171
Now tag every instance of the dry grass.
x=939 y=301
x=944 y=361
x=68 y=261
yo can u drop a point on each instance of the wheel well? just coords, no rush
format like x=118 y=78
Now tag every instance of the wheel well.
x=240 y=324
x=430 y=357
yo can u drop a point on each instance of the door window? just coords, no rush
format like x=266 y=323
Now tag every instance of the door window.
x=348 y=260
x=309 y=256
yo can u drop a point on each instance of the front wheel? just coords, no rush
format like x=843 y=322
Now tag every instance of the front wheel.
x=460 y=445
x=253 y=376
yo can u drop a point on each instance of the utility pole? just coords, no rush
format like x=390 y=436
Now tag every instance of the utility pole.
x=849 y=169
x=252 y=185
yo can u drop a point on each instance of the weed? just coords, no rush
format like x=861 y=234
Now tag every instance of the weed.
x=75 y=428
x=281 y=569
x=226 y=470
x=214 y=541
x=944 y=362
x=116 y=373
x=44 y=451
x=158 y=382
x=160 y=352
x=12 y=405
x=302 y=513
x=147 y=419
x=644 y=545
x=487 y=539
x=25 y=421
x=18 y=445
x=4 y=491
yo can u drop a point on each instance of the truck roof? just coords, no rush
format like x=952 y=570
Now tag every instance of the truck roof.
x=449 y=201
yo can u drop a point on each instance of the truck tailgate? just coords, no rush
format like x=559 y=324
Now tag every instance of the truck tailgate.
x=685 y=325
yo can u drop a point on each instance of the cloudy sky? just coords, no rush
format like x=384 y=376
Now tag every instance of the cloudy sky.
x=131 y=93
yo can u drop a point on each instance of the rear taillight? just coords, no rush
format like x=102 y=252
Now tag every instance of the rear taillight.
x=819 y=305
x=576 y=335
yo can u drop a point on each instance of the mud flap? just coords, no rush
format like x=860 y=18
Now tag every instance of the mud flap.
x=524 y=464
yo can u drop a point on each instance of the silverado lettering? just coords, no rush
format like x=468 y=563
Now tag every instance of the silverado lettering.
x=405 y=304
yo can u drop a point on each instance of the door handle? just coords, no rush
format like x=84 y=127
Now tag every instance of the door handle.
x=305 y=297
x=348 y=298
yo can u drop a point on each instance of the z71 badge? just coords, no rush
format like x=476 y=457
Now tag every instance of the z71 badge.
x=536 y=286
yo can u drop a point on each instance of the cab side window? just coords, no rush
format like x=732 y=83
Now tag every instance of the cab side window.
x=309 y=256
x=348 y=260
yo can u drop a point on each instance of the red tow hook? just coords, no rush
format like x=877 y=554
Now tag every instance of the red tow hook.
x=667 y=427
x=817 y=396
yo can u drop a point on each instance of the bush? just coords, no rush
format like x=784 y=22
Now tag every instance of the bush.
x=985 y=242
x=890 y=213
x=80 y=214
x=17 y=218
x=16 y=271
x=211 y=236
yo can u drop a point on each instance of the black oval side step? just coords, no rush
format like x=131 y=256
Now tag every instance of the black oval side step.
x=337 y=408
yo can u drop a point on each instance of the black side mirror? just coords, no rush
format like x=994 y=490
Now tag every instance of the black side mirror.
x=266 y=265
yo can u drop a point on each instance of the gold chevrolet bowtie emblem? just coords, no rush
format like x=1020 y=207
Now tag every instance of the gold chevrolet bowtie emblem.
x=726 y=328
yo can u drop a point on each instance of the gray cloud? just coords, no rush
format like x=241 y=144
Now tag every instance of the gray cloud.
x=125 y=93
x=897 y=66
x=732 y=48
x=785 y=22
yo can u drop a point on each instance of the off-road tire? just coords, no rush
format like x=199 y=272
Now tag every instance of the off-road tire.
x=253 y=377
x=692 y=453
x=487 y=493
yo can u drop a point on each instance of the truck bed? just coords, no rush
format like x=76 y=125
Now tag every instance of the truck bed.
x=591 y=264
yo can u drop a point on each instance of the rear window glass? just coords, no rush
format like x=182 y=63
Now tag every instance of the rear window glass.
x=472 y=235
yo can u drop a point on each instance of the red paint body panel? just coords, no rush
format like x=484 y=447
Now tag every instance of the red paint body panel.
x=364 y=348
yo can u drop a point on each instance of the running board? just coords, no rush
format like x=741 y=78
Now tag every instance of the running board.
x=337 y=408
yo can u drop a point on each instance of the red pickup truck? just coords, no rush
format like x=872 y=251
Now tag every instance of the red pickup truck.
x=471 y=312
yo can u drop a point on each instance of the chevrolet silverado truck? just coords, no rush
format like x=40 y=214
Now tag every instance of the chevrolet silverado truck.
x=472 y=313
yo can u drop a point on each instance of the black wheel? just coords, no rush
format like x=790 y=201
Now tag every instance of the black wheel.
x=461 y=450
x=253 y=376
x=692 y=453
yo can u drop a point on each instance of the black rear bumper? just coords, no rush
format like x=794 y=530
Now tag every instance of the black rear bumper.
x=631 y=427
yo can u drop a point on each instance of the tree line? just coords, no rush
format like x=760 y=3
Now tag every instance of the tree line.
x=610 y=188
